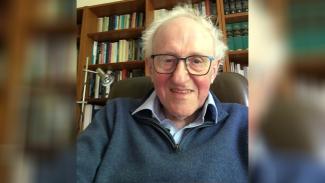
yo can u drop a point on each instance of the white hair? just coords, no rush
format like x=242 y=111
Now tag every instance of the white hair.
x=189 y=12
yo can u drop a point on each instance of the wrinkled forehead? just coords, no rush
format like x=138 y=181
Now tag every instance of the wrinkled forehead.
x=182 y=31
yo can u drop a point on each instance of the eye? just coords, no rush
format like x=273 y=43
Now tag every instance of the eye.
x=196 y=60
x=169 y=60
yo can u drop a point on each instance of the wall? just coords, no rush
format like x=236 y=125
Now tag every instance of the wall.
x=82 y=3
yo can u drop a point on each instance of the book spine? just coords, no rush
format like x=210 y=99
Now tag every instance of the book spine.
x=94 y=56
x=232 y=6
x=96 y=88
x=230 y=37
x=207 y=7
x=238 y=5
x=238 y=43
x=100 y=24
x=245 y=34
x=245 y=5
x=226 y=7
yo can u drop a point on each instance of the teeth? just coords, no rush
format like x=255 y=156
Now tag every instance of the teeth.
x=180 y=91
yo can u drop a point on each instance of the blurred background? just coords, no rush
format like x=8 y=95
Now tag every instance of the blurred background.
x=38 y=58
x=38 y=55
x=287 y=90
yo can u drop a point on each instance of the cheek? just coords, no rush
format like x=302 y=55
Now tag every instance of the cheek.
x=160 y=83
x=203 y=86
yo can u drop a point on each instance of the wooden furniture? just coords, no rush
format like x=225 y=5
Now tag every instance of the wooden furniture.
x=34 y=47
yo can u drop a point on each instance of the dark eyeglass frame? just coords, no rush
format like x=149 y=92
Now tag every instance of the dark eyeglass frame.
x=211 y=58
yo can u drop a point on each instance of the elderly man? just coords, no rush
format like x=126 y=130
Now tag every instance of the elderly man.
x=180 y=132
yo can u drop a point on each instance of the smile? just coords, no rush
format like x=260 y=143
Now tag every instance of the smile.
x=181 y=91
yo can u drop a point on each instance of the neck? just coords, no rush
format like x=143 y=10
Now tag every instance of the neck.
x=180 y=121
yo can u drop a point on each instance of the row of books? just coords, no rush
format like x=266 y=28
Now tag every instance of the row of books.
x=46 y=59
x=237 y=36
x=97 y=90
x=124 y=74
x=235 y=6
x=206 y=7
x=114 y=52
x=116 y=22
x=238 y=68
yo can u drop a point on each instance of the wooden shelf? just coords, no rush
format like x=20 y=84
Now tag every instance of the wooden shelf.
x=236 y=17
x=96 y=101
x=239 y=56
x=312 y=67
x=119 y=66
x=158 y=4
x=51 y=85
x=116 y=35
x=79 y=15
x=118 y=8
x=56 y=29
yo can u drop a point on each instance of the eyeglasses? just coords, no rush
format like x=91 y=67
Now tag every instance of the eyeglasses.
x=195 y=64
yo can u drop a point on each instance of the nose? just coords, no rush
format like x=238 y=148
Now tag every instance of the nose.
x=180 y=75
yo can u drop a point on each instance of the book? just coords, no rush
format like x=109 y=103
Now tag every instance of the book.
x=96 y=86
x=213 y=8
x=244 y=29
x=230 y=37
x=105 y=24
x=94 y=53
x=226 y=7
x=232 y=6
x=238 y=6
x=111 y=24
x=238 y=42
x=100 y=24
x=245 y=5
x=137 y=72
x=207 y=7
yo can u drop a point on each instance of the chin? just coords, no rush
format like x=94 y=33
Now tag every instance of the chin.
x=182 y=114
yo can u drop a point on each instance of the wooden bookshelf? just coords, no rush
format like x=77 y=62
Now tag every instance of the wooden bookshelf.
x=239 y=56
x=118 y=8
x=115 y=35
x=22 y=32
x=96 y=101
x=312 y=66
x=89 y=34
x=236 y=17
x=158 y=4
x=129 y=65
x=62 y=29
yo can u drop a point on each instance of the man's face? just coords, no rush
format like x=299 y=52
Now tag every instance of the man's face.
x=180 y=93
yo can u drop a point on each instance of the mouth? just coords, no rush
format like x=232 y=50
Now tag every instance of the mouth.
x=181 y=91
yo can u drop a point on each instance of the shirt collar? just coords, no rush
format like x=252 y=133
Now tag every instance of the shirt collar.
x=152 y=103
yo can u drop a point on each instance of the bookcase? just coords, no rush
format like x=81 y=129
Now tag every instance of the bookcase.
x=97 y=29
x=37 y=82
x=235 y=27
x=92 y=34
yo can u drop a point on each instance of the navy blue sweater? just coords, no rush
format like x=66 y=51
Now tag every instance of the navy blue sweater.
x=120 y=147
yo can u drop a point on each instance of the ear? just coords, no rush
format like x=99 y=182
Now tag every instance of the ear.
x=214 y=70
